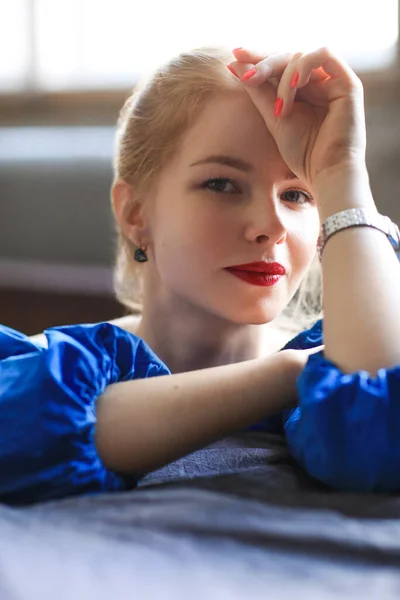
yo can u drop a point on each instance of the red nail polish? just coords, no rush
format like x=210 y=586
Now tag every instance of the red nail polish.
x=248 y=74
x=232 y=70
x=295 y=80
x=278 y=106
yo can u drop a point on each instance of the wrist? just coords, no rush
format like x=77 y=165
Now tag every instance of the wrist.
x=290 y=364
x=342 y=187
x=294 y=361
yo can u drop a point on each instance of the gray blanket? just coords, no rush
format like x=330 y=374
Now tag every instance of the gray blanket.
x=237 y=520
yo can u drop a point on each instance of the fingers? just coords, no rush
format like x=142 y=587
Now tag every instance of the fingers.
x=286 y=92
x=319 y=66
x=322 y=65
x=267 y=79
x=315 y=349
x=334 y=67
x=289 y=85
x=266 y=64
x=263 y=95
x=251 y=56
x=271 y=66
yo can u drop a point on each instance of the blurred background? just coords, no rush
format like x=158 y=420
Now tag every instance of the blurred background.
x=66 y=67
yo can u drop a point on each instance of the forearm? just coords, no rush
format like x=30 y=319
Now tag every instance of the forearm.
x=361 y=282
x=145 y=424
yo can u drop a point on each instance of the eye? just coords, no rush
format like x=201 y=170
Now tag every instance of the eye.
x=295 y=196
x=218 y=184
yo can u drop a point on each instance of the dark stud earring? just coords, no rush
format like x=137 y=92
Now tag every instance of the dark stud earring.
x=140 y=255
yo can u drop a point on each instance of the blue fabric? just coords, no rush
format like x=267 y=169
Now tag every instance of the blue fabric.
x=47 y=408
x=307 y=339
x=345 y=431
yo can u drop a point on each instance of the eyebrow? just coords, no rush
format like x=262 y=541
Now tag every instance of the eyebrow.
x=236 y=163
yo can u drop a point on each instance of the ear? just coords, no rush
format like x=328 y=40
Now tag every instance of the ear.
x=130 y=213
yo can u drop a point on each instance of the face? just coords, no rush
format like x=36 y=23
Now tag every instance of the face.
x=210 y=214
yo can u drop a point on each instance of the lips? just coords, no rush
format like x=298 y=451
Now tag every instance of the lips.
x=260 y=267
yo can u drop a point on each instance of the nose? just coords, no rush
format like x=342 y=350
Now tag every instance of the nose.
x=264 y=222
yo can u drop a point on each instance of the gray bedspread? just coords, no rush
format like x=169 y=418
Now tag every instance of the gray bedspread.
x=237 y=520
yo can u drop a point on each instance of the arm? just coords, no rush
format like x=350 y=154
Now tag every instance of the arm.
x=51 y=398
x=346 y=430
x=361 y=281
x=146 y=423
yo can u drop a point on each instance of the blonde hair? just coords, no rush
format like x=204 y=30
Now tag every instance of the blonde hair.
x=150 y=126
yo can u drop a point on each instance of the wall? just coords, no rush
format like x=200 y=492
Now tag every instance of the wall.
x=55 y=217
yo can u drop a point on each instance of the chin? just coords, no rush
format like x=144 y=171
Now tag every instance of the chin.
x=253 y=316
x=262 y=320
x=261 y=312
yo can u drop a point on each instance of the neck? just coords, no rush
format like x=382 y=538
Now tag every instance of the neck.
x=187 y=339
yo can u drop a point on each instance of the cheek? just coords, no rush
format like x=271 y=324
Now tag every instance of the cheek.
x=182 y=244
x=303 y=244
x=195 y=233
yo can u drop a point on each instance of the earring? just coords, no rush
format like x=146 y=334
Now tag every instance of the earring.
x=140 y=255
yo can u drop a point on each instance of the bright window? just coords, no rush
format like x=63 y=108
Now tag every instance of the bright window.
x=89 y=44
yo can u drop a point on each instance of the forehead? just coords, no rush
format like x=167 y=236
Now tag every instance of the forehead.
x=230 y=123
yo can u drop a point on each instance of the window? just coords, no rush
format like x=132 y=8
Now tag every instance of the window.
x=53 y=45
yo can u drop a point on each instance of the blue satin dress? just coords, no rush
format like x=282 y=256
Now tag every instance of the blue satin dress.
x=345 y=431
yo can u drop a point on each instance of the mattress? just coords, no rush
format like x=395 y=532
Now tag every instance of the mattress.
x=236 y=520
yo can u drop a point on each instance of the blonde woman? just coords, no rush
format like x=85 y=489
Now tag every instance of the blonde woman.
x=223 y=179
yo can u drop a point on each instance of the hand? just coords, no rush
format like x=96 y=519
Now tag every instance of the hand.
x=322 y=123
x=294 y=362
x=299 y=358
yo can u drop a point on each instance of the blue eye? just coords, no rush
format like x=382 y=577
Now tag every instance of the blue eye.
x=218 y=184
x=307 y=197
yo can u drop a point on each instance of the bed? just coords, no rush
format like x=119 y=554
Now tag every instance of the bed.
x=236 y=520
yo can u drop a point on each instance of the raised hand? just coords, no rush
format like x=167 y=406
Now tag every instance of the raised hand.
x=319 y=122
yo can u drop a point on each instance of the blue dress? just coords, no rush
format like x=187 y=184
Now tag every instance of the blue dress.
x=345 y=431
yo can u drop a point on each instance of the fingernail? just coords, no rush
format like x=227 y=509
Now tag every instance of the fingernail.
x=234 y=50
x=232 y=70
x=278 y=106
x=295 y=80
x=248 y=74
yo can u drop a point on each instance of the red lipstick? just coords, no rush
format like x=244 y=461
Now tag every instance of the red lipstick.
x=259 y=273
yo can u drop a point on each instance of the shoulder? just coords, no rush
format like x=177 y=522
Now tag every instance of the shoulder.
x=106 y=343
x=129 y=323
x=13 y=342
x=39 y=339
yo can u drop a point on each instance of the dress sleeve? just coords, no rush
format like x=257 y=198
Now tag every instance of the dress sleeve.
x=48 y=408
x=309 y=338
x=346 y=429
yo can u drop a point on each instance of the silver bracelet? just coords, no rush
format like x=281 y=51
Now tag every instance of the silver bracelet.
x=358 y=217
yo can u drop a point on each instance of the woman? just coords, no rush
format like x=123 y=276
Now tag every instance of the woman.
x=222 y=181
